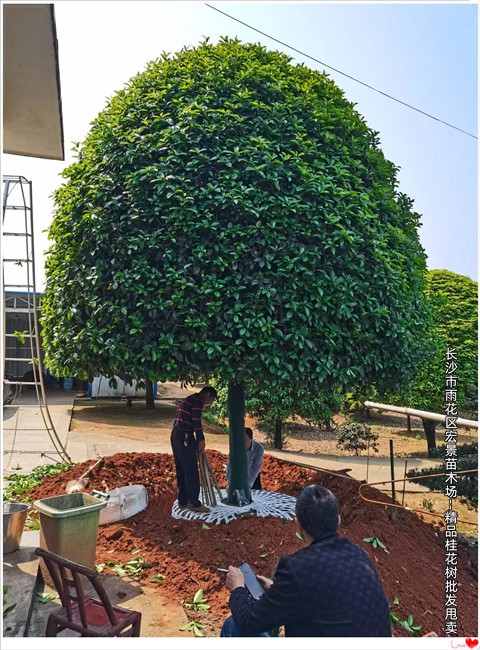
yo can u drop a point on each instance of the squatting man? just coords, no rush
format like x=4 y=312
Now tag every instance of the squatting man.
x=329 y=588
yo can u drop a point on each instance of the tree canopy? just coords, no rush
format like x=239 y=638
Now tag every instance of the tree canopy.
x=230 y=212
x=454 y=314
x=453 y=299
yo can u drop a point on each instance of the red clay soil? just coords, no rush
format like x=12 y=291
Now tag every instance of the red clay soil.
x=188 y=555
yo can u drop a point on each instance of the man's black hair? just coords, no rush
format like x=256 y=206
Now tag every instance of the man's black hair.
x=249 y=432
x=317 y=511
x=210 y=390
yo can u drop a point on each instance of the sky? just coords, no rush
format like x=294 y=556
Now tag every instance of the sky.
x=423 y=54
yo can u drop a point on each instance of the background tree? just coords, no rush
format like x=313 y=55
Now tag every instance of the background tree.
x=453 y=299
x=231 y=214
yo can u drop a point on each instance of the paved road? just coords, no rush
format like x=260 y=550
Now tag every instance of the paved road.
x=26 y=442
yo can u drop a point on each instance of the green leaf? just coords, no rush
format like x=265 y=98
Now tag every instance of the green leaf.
x=158 y=578
x=297 y=534
x=99 y=567
x=198 y=596
x=205 y=527
x=396 y=601
x=186 y=628
x=368 y=539
x=9 y=609
x=119 y=570
x=43 y=597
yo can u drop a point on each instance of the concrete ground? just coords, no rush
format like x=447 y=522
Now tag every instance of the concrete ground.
x=26 y=441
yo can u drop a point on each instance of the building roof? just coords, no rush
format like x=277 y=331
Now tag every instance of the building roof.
x=32 y=105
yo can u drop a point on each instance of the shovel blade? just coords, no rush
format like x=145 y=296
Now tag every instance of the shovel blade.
x=76 y=486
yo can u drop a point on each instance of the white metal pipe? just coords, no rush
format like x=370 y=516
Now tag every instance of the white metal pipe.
x=427 y=415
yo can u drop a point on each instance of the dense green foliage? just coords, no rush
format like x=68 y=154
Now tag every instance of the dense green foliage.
x=231 y=213
x=453 y=310
x=467 y=484
x=454 y=304
x=356 y=437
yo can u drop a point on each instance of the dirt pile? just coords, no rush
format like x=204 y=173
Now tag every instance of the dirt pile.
x=188 y=554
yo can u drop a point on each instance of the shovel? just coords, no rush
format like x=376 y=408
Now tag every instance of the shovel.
x=80 y=483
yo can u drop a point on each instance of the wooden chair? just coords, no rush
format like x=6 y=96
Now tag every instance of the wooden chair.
x=82 y=613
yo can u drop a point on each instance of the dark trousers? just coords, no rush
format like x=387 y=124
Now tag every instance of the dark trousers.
x=230 y=628
x=257 y=485
x=185 y=456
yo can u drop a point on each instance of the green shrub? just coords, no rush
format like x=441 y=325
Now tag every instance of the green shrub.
x=467 y=484
x=466 y=449
x=355 y=436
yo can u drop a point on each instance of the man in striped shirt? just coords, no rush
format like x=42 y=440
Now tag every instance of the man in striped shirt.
x=187 y=438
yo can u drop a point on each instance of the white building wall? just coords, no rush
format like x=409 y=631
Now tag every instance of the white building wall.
x=100 y=388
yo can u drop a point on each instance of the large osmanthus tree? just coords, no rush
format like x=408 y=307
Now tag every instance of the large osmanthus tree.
x=232 y=214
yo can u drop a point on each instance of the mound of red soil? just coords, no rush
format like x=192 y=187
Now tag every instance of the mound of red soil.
x=188 y=554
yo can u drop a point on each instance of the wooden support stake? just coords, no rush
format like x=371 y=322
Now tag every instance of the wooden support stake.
x=203 y=481
x=207 y=477
x=214 y=479
x=368 y=455
x=392 y=474
x=210 y=482
x=404 y=479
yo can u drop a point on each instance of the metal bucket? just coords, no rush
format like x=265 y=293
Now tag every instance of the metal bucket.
x=14 y=516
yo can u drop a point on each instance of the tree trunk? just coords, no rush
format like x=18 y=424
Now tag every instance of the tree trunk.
x=278 y=441
x=238 y=487
x=429 y=428
x=150 y=400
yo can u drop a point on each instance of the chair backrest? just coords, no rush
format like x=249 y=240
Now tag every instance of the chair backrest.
x=69 y=585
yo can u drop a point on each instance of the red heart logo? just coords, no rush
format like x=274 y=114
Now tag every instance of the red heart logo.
x=471 y=642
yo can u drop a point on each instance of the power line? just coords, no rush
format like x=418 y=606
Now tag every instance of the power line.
x=308 y=56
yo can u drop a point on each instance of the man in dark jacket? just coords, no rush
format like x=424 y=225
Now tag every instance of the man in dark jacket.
x=329 y=588
x=187 y=438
